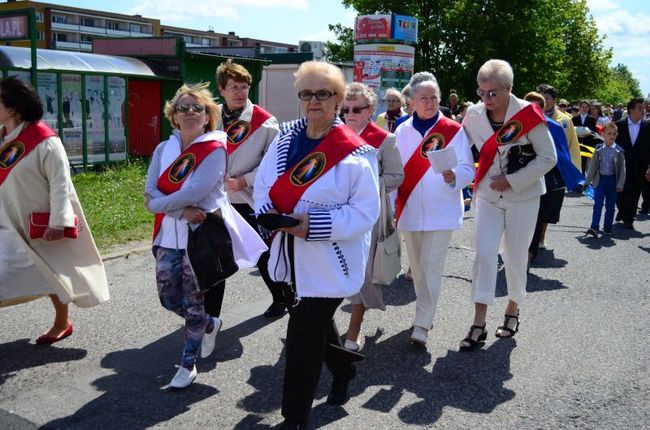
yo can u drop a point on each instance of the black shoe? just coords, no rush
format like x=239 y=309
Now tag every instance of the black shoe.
x=339 y=393
x=628 y=226
x=607 y=231
x=619 y=217
x=275 y=310
x=292 y=425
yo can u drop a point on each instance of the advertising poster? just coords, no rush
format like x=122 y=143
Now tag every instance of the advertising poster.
x=116 y=118
x=95 y=129
x=47 y=93
x=382 y=66
x=71 y=108
x=405 y=29
x=372 y=27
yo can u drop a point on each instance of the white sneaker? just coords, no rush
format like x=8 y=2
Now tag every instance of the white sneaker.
x=209 y=339
x=352 y=345
x=183 y=377
x=419 y=336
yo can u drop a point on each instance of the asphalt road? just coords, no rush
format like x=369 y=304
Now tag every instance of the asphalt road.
x=580 y=359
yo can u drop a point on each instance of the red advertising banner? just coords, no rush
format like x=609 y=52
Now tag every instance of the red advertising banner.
x=14 y=27
x=372 y=27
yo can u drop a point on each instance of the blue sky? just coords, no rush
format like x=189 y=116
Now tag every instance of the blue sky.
x=626 y=23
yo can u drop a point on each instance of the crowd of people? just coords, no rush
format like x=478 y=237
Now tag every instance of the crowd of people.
x=333 y=186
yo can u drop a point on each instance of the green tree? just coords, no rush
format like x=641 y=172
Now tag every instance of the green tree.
x=619 y=87
x=621 y=73
x=344 y=49
x=545 y=41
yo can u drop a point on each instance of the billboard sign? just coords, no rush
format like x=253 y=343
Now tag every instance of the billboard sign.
x=372 y=27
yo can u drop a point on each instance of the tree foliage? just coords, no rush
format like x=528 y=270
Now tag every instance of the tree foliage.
x=619 y=87
x=545 y=41
x=344 y=50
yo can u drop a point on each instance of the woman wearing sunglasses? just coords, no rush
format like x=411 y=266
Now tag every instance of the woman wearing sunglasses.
x=358 y=109
x=516 y=150
x=185 y=181
x=429 y=204
x=319 y=172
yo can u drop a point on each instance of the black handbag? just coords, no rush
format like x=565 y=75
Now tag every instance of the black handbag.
x=553 y=180
x=519 y=156
x=209 y=249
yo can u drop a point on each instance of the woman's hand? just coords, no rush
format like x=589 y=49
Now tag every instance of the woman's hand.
x=236 y=184
x=300 y=230
x=53 y=234
x=499 y=183
x=449 y=176
x=194 y=215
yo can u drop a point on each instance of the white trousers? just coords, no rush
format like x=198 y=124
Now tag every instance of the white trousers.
x=515 y=221
x=427 y=251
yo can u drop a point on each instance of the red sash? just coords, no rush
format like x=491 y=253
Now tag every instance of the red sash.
x=290 y=186
x=373 y=135
x=521 y=123
x=438 y=137
x=12 y=152
x=173 y=177
x=238 y=131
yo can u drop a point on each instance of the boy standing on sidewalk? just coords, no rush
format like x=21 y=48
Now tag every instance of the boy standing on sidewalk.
x=607 y=173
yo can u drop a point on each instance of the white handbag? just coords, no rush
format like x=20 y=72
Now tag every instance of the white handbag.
x=387 y=261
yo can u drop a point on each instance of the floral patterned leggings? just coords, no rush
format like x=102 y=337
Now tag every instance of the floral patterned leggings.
x=179 y=292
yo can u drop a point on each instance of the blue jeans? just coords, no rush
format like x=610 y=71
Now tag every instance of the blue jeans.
x=605 y=191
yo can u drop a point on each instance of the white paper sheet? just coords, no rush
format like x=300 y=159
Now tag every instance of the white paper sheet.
x=442 y=159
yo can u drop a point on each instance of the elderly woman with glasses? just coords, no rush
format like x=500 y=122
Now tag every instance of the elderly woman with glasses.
x=319 y=173
x=430 y=203
x=516 y=150
x=250 y=130
x=185 y=182
x=358 y=108
x=394 y=110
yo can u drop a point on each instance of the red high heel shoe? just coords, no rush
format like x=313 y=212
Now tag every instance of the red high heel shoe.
x=48 y=340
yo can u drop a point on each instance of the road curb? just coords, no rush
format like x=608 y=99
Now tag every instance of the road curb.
x=126 y=252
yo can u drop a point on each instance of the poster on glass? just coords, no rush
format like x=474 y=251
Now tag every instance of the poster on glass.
x=71 y=109
x=116 y=123
x=95 y=129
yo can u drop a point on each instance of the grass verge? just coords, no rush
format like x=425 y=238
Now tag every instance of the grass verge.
x=113 y=202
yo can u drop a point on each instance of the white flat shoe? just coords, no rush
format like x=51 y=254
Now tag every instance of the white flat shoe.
x=351 y=345
x=419 y=336
x=183 y=377
x=209 y=339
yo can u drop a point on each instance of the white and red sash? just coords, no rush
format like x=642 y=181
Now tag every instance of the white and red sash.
x=438 y=137
x=11 y=153
x=238 y=131
x=292 y=184
x=521 y=123
x=175 y=175
x=373 y=135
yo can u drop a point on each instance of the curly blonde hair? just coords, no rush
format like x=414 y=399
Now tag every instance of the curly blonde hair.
x=202 y=95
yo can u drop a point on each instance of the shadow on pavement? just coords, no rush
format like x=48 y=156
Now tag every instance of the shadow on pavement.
x=21 y=354
x=399 y=293
x=133 y=396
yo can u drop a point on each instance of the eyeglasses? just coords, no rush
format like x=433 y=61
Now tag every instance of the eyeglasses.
x=486 y=94
x=238 y=88
x=355 y=110
x=185 y=108
x=321 y=95
x=392 y=100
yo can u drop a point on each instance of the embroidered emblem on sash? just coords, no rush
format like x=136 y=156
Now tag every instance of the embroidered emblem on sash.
x=11 y=153
x=237 y=132
x=308 y=169
x=509 y=132
x=432 y=142
x=181 y=168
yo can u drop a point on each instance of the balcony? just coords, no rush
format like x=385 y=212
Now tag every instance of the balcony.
x=93 y=30
x=119 y=33
x=68 y=27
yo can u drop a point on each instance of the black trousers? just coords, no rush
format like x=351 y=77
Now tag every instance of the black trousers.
x=645 y=206
x=311 y=328
x=628 y=200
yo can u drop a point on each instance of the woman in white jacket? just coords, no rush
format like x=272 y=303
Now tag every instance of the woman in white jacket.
x=429 y=204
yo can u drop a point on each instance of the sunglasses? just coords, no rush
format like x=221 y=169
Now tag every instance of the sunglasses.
x=487 y=94
x=185 y=108
x=321 y=95
x=355 y=110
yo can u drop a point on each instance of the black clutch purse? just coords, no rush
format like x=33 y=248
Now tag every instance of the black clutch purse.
x=271 y=221
x=519 y=156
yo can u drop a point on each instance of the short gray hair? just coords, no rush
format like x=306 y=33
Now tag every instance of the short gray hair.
x=357 y=89
x=406 y=92
x=422 y=78
x=394 y=92
x=496 y=70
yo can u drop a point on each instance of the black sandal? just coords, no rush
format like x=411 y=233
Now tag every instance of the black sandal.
x=505 y=326
x=471 y=343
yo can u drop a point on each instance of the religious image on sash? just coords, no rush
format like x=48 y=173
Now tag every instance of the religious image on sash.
x=11 y=153
x=238 y=131
x=308 y=169
x=432 y=142
x=181 y=168
x=509 y=132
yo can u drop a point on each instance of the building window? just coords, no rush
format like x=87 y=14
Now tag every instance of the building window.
x=205 y=42
x=112 y=25
x=39 y=16
x=40 y=35
x=88 y=22
x=87 y=38
x=59 y=19
x=60 y=37
x=135 y=28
